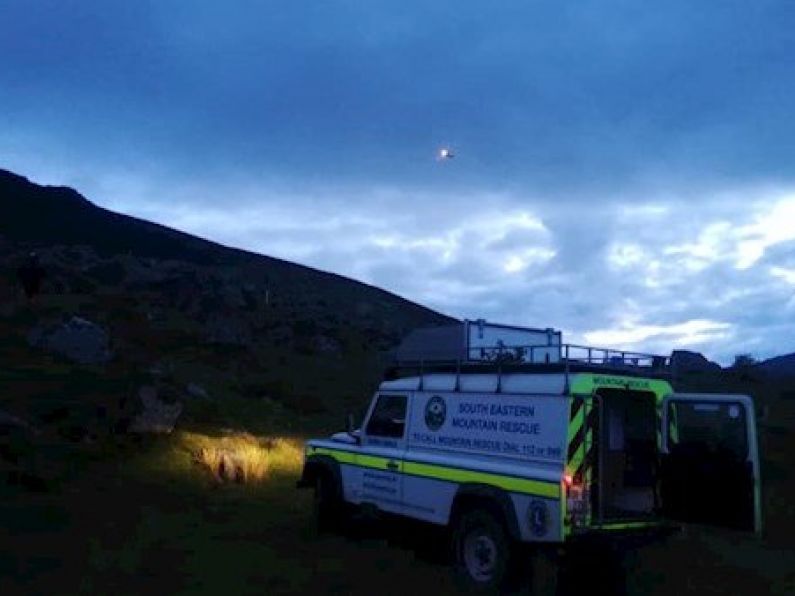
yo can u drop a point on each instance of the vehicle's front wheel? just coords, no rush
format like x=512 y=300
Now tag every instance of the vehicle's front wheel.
x=482 y=552
x=326 y=506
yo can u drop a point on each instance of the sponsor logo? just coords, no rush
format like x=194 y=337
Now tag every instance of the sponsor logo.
x=539 y=517
x=435 y=413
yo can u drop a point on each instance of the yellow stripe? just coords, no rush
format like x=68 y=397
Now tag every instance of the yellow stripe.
x=574 y=425
x=358 y=459
x=344 y=457
x=588 y=383
x=627 y=525
x=509 y=483
x=578 y=456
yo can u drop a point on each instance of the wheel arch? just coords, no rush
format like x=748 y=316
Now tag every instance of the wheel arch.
x=491 y=498
x=319 y=465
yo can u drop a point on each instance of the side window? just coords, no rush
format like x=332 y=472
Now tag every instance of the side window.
x=716 y=426
x=388 y=418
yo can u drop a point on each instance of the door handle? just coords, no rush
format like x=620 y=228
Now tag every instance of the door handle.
x=392 y=465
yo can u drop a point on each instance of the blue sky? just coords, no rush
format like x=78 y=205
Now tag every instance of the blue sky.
x=623 y=171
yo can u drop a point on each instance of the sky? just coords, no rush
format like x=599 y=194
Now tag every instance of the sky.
x=623 y=170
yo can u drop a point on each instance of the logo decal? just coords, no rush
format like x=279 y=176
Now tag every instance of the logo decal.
x=538 y=517
x=435 y=413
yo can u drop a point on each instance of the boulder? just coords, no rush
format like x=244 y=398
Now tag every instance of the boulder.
x=10 y=423
x=78 y=340
x=156 y=416
x=197 y=391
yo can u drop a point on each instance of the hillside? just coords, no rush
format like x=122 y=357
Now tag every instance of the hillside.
x=217 y=329
x=35 y=217
x=778 y=367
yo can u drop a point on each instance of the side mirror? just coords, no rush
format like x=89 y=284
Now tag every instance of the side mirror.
x=350 y=428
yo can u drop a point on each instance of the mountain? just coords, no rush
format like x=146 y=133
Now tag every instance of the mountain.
x=778 y=367
x=175 y=311
x=42 y=217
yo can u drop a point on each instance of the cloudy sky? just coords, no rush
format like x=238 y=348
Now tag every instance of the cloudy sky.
x=624 y=170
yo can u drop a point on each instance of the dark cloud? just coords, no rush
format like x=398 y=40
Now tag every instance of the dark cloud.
x=537 y=95
x=618 y=167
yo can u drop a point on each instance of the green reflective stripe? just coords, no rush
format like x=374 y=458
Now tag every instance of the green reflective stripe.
x=341 y=456
x=588 y=443
x=357 y=459
x=673 y=426
x=509 y=483
x=371 y=461
x=578 y=457
x=626 y=525
x=588 y=383
x=576 y=423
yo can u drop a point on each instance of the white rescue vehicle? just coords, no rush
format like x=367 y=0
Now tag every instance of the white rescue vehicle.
x=506 y=435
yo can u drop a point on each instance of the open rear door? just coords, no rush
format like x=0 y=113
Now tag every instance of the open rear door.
x=710 y=463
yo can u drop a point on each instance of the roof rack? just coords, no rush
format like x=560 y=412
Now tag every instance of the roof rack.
x=544 y=358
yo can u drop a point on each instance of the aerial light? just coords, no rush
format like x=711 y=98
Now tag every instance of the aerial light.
x=445 y=153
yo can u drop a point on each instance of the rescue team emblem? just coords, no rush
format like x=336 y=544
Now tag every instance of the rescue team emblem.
x=435 y=413
x=538 y=517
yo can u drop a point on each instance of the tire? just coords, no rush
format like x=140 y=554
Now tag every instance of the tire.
x=482 y=553
x=544 y=572
x=326 y=505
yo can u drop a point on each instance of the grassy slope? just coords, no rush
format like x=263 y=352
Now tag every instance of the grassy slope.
x=146 y=518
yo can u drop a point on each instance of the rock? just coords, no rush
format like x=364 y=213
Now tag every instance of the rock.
x=197 y=391
x=326 y=345
x=9 y=422
x=156 y=416
x=685 y=361
x=227 y=330
x=78 y=340
x=161 y=369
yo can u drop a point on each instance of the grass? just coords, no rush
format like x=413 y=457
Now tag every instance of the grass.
x=242 y=457
x=156 y=521
x=153 y=519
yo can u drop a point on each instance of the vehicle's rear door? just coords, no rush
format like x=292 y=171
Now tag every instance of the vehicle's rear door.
x=710 y=462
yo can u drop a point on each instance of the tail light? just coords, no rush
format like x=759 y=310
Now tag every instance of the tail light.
x=576 y=500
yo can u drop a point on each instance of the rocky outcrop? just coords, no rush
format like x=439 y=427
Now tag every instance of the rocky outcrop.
x=685 y=361
x=78 y=340
x=156 y=416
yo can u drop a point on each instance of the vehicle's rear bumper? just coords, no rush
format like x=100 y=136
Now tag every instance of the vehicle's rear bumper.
x=632 y=533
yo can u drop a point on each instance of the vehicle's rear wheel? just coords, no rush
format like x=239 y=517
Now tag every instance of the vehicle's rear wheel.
x=544 y=568
x=326 y=506
x=482 y=552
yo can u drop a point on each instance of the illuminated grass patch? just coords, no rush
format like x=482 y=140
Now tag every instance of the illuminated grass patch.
x=243 y=458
